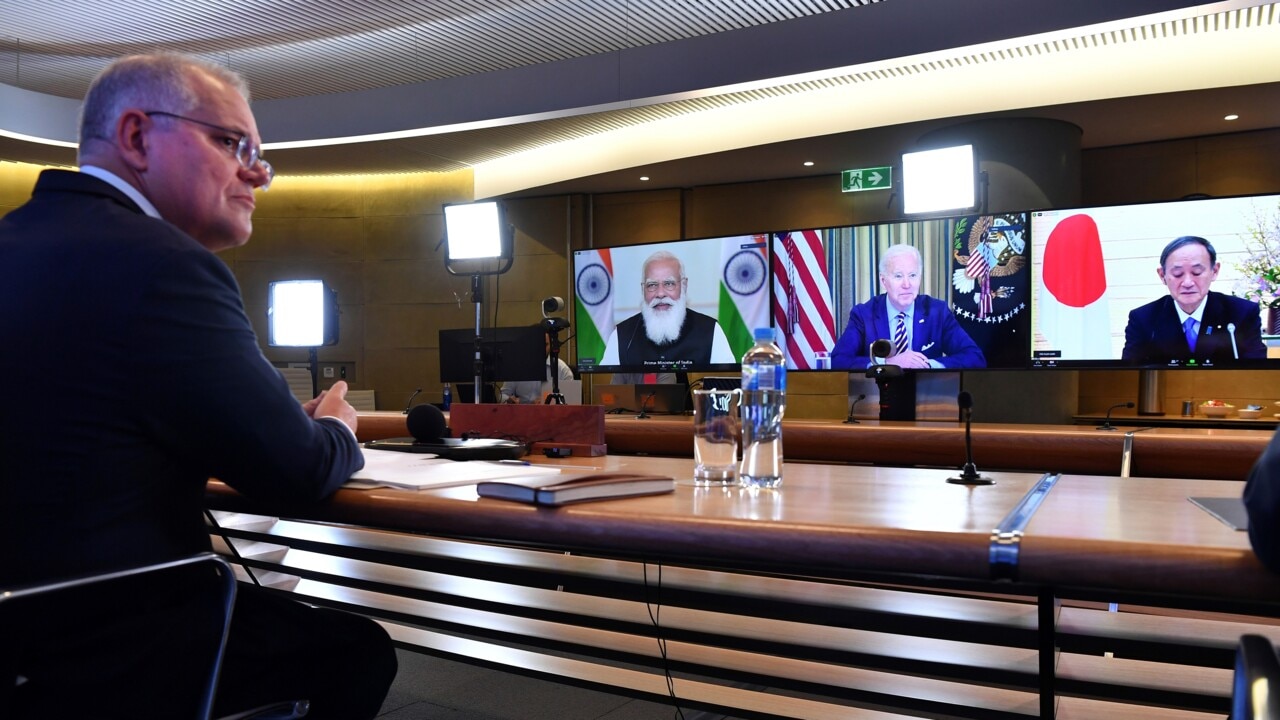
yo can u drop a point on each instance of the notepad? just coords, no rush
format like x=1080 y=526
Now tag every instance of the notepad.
x=384 y=468
x=561 y=491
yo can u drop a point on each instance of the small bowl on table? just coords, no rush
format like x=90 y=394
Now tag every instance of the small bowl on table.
x=1216 y=411
x=1250 y=413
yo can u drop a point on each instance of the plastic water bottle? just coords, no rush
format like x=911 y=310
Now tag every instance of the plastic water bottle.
x=448 y=397
x=764 y=399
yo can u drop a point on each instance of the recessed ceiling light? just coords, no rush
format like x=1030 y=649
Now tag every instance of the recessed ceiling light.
x=644 y=178
x=1232 y=116
x=808 y=163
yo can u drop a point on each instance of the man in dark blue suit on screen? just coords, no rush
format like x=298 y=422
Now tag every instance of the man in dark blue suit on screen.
x=1192 y=322
x=922 y=329
x=136 y=376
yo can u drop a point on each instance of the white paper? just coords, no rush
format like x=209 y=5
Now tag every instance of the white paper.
x=388 y=468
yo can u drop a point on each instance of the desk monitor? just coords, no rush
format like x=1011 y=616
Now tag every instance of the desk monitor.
x=464 y=392
x=975 y=269
x=508 y=353
x=1099 y=301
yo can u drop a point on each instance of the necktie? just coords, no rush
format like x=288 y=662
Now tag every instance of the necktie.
x=900 y=335
x=1190 y=329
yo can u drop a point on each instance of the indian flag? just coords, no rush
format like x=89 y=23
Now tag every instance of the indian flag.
x=744 y=289
x=594 y=299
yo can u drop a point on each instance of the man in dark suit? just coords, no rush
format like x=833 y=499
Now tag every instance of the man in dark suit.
x=1262 y=503
x=135 y=376
x=666 y=334
x=1192 y=322
x=922 y=329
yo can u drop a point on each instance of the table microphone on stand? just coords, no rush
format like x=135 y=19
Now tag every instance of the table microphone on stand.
x=410 y=403
x=1107 y=425
x=969 y=474
x=860 y=398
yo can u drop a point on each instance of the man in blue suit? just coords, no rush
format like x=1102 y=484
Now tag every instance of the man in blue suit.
x=1192 y=322
x=922 y=329
x=135 y=377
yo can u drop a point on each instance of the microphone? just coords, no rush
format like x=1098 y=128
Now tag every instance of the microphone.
x=969 y=474
x=432 y=435
x=860 y=398
x=1107 y=425
x=1231 y=329
x=426 y=424
x=645 y=403
x=410 y=403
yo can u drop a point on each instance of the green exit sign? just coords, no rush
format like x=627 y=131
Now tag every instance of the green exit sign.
x=876 y=178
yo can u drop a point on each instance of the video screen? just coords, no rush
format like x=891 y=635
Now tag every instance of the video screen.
x=679 y=306
x=961 y=285
x=1102 y=298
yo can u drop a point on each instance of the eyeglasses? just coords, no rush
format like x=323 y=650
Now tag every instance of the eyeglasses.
x=652 y=285
x=246 y=153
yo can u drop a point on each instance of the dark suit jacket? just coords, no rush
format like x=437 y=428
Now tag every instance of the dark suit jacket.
x=1154 y=333
x=937 y=334
x=132 y=375
x=1262 y=502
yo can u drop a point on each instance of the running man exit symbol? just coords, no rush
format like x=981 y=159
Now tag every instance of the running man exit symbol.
x=876 y=178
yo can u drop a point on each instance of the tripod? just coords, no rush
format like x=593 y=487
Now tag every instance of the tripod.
x=553 y=326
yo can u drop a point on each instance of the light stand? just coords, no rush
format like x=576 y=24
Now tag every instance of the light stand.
x=478 y=243
x=477 y=296
x=313 y=362
x=303 y=313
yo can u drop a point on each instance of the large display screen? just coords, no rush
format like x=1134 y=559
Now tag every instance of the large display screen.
x=1102 y=299
x=966 y=297
x=681 y=306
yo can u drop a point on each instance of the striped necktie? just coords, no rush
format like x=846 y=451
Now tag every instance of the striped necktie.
x=1190 y=329
x=900 y=335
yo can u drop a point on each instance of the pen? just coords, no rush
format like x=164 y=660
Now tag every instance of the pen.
x=511 y=462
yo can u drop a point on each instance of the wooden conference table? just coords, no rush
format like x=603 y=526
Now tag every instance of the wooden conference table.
x=849 y=590
x=1208 y=453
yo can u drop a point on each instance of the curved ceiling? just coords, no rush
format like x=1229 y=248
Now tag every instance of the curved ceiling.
x=538 y=94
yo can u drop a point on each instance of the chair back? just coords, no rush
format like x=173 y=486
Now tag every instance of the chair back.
x=1255 y=689
x=56 y=633
x=299 y=380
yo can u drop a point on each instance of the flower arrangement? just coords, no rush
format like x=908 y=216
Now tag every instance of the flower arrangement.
x=1260 y=270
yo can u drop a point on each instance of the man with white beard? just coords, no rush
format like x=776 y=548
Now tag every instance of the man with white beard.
x=666 y=334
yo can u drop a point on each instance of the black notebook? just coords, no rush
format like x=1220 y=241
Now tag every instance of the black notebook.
x=560 y=490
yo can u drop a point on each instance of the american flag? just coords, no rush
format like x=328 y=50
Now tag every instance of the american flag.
x=802 y=297
x=979 y=270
